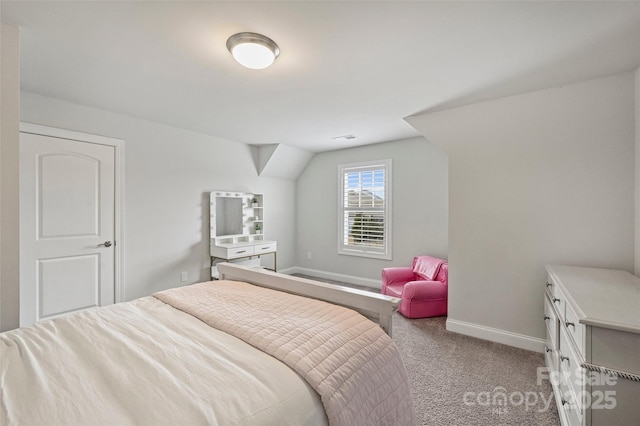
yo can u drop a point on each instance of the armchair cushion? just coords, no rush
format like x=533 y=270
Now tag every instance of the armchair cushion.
x=427 y=290
x=394 y=290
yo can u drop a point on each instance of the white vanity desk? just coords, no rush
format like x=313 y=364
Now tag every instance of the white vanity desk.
x=241 y=250
x=236 y=222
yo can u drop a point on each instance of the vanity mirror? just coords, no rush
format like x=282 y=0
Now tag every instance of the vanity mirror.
x=228 y=216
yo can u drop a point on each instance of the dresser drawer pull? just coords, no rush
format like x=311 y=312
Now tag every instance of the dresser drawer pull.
x=549 y=285
x=555 y=299
x=546 y=349
x=564 y=401
x=241 y=251
x=563 y=358
x=265 y=248
x=569 y=324
x=547 y=317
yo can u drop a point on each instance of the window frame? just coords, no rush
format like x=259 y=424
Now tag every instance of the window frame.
x=362 y=251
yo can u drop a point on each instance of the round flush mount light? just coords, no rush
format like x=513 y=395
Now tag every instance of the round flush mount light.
x=253 y=50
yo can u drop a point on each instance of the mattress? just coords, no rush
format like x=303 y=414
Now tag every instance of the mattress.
x=144 y=362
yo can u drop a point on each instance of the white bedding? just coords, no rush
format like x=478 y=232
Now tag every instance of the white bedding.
x=348 y=359
x=146 y=363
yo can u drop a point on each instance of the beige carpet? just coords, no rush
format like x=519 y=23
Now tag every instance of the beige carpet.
x=461 y=380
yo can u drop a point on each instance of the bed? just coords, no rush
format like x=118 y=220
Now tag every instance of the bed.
x=254 y=348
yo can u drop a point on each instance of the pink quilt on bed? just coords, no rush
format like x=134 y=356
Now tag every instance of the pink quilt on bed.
x=346 y=358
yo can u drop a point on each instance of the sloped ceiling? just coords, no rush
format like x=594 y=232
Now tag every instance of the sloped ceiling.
x=345 y=67
x=282 y=161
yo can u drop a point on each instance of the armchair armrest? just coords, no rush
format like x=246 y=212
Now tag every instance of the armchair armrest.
x=397 y=275
x=433 y=290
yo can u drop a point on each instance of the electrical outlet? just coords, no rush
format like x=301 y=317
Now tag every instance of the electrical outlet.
x=309 y=255
x=184 y=276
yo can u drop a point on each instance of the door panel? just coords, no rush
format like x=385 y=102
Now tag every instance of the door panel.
x=67 y=199
x=65 y=213
x=55 y=284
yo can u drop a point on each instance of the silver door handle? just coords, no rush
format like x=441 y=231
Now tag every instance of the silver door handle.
x=106 y=244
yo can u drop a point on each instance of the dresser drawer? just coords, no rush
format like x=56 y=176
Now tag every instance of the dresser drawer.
x=557 y=298
x=570 y=367
x=570 y=402
x=240 y=252
x=574 y=329
x=551 y=358
x=551 y=322
x=572 y=412
x=550 y=286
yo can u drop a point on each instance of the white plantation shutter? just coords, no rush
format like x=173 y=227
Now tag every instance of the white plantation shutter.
x=365 y=209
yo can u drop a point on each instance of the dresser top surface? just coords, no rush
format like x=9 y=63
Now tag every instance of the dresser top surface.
x=607 y=298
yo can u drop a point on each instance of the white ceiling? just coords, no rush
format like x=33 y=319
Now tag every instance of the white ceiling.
x=345 y=67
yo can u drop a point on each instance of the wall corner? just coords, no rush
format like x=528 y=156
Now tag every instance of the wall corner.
x=9 y=177
x=637 y=172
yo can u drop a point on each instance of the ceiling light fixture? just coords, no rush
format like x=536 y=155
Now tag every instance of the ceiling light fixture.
x=253 y=50
x=344 y=138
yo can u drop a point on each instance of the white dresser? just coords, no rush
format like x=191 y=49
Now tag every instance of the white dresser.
x=592 y=317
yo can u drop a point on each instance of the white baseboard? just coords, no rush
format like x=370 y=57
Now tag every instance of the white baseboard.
x=496 y=335
x=367 y=282
x=288 y=271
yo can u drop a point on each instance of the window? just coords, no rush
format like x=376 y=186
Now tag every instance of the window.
x=364 y=222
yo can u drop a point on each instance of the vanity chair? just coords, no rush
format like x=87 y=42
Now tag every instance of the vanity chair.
x=423 y=287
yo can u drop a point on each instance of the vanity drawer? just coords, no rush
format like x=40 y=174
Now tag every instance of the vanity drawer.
x=240 y=252
x=574 y=329
x=264 y=248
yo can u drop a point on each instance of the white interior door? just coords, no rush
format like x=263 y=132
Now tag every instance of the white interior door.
x=67 y=226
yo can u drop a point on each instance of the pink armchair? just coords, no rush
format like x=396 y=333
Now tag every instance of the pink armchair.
x=422 y=287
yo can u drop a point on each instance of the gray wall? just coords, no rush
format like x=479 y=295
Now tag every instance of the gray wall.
x=168 y=174
x=543 y=177
x=9 y=175
x=419 y=207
